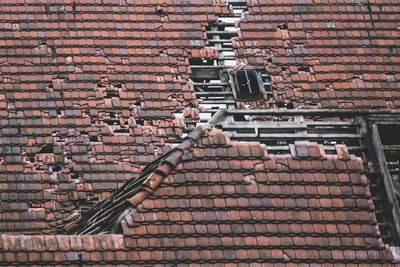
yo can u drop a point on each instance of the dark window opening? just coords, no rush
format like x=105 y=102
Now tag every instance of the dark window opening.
x=247 y=85
x=93 y=139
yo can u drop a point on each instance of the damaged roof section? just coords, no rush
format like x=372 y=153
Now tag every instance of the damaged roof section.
x=88 y=96
x=105 y=215
x=234 y=202
x=322 y=54
x=231 y=202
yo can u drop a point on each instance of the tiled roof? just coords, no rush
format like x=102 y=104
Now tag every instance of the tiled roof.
x=87 y=95
x=106 y=214
x=326 y=54
x=232 y=202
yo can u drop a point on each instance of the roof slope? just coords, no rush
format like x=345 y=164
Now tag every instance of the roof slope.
x=249 y=207
x=87 y=95
x=232 y=202
x=326 y=54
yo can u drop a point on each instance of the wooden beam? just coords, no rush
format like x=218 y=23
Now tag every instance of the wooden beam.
x=387 y=179
x=284 y=124
x=294 y=136
x=217 y=117
x=324 y=112
x=207 y=74
x=327 y=148
x=262 y=125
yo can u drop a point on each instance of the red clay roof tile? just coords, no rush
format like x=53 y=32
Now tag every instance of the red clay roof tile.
x=73 y=92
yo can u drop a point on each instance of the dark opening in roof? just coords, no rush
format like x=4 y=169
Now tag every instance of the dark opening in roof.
x=389 y=134
x=247 y=84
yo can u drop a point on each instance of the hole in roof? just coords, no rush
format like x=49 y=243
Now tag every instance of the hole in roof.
x=53 y=52
x=93 y=138
x=110 y=94
x=140 y=122
x=283 y=26
x=56 y=168
x=389 y=134
x=159 y=10
x=47 y=149
x=305 y=68
x=123 y=129
x=75 y=177
x=111 y=122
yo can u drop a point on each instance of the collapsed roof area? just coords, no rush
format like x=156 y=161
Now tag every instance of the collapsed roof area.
x=108 y=154
x=231 y=202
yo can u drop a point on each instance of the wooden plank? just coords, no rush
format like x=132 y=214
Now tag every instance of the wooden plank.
x=207 y=67
x=325 y=112
x=387 y=179
x=212 y=84
x=217 y=117
x=229 y=33
x=295 y=136
x=327 y=148
x=217 y=101
x=282 y=124
x=331 y=123
x=220 y=41
x=208 y=74
x=263 y=125
x=214 y=93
